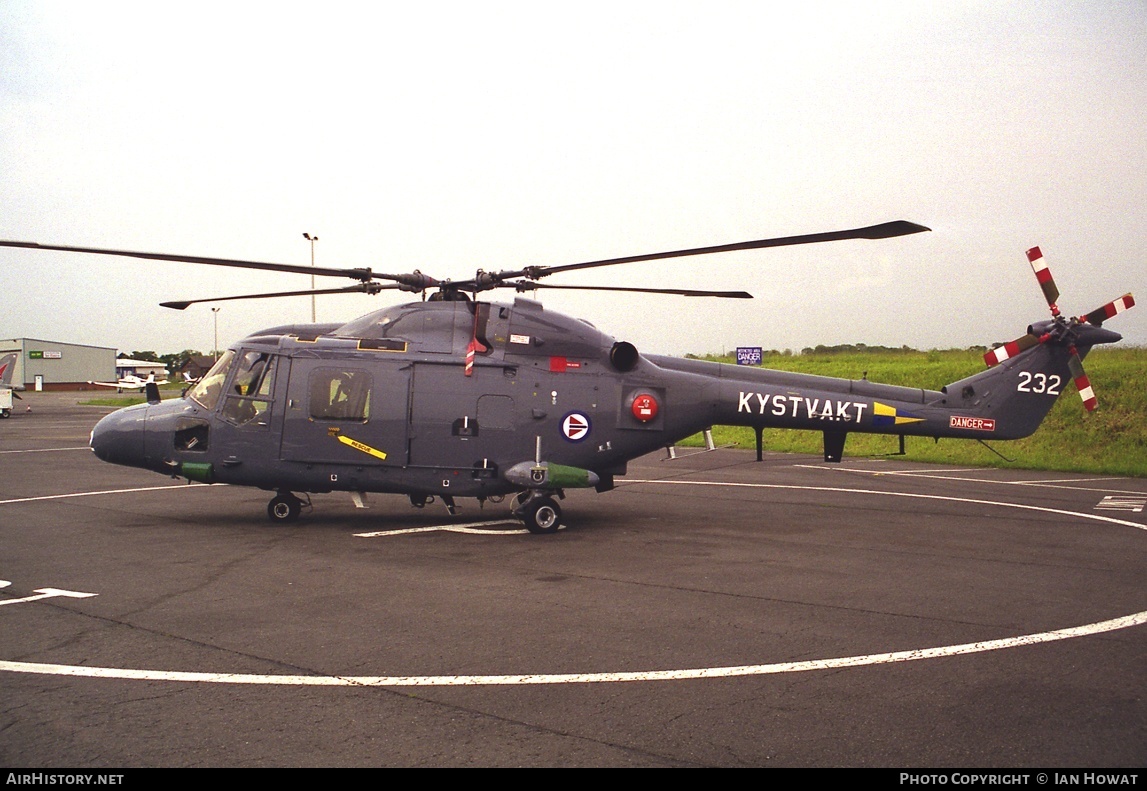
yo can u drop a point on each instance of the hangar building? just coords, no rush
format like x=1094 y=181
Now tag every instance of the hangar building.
x=55 y=365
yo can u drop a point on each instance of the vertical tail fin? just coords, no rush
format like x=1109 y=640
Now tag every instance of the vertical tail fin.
x=7 y=368
x=1019 y=391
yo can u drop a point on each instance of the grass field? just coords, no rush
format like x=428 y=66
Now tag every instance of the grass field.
x=172 y=390
x=1111 y=440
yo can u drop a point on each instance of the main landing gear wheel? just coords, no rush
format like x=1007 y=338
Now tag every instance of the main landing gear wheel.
x=284 y=508
x=542 y=515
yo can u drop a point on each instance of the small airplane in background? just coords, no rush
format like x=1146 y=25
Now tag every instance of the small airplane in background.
x=130 y=382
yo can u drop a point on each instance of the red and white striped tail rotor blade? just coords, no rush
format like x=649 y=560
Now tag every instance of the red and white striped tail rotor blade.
x=1111 y=309
x=1010 y=349
x=1043 y=275
x=1082 y=383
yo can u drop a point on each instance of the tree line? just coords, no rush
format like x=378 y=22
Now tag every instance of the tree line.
x=173 y=362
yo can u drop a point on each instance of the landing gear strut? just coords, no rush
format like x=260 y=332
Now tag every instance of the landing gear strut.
x=285 y=507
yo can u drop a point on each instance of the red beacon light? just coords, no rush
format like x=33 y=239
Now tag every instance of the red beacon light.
x=645 y=407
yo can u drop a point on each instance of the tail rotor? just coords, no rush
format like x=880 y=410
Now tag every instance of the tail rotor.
x=1084 y=330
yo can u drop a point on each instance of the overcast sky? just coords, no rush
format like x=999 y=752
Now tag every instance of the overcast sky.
x=453 y=136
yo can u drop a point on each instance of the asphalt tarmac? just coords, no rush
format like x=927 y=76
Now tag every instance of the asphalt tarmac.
x=711 y=611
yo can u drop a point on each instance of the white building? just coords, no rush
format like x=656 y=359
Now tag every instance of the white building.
x=141 y=368
x=55 y=365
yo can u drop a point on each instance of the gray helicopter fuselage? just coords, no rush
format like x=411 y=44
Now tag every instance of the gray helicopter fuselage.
x=385 y=404
x=393 y=402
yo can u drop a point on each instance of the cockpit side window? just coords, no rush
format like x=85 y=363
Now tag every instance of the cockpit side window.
x=249 y=395
x=340 y=394
x=253 y=375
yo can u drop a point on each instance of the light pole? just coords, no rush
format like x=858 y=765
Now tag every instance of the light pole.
x=312 y=240
x=215 y=349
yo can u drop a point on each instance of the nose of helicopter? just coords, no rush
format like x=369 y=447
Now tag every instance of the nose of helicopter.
x=118 y=437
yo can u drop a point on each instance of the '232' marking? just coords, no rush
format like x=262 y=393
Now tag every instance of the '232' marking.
x=1038 y=383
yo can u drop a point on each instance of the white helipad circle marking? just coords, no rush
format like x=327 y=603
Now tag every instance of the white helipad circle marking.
x=846 y=490
x=1137 y=619
x=577 y=678
x=167 y=487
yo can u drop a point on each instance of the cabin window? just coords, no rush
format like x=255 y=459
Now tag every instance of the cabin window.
x=340 y=394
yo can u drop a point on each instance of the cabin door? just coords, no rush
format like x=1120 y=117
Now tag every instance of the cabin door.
x=346 y=412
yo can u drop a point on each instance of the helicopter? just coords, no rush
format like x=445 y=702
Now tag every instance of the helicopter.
x=456 y=397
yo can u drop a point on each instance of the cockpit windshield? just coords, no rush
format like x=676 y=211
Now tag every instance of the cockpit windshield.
x=207 y=391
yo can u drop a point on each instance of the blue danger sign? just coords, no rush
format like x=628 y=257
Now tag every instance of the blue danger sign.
x=748 y=355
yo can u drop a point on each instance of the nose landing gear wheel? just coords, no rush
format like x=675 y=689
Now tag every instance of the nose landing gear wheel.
x=284 y=508
x=542 y=515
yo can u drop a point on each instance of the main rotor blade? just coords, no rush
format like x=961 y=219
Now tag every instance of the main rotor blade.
x=358 y=274
x=526 y=285
x=362 y=288
x=882 y=231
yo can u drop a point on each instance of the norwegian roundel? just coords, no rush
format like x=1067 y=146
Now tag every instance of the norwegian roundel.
x=575 y=427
